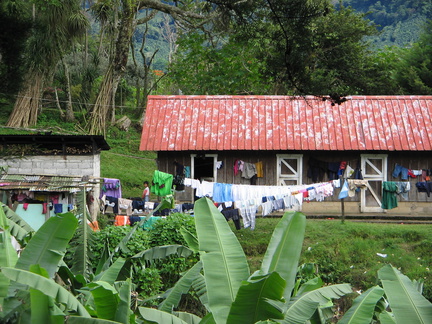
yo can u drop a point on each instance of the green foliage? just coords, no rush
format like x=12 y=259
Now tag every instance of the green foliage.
x=111 y=236
x=413 y=72
x=216 y=59
x=231 y=294
x=15 y=24
x=166 y=231
x=399 y=21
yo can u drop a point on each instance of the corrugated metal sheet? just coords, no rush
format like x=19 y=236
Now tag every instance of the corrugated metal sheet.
x=375 y=123
x=41 y=183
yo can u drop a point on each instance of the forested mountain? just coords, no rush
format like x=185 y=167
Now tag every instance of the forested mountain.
x=399 y=22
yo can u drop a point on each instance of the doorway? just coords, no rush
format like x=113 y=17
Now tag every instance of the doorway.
x=374 y=169
x=203 y=167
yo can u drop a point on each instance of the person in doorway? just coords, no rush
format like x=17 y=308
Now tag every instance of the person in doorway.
x=146 y=192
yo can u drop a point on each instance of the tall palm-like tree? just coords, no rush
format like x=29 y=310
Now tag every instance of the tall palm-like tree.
x=56 y=24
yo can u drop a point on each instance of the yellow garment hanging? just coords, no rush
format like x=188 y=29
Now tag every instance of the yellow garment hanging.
x=259 y=169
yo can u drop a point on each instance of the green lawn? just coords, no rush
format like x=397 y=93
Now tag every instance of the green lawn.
x=347 y=253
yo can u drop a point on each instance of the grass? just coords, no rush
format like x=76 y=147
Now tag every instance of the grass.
x=347 y=253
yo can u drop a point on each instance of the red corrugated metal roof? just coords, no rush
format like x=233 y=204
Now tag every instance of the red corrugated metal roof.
x=376 y=123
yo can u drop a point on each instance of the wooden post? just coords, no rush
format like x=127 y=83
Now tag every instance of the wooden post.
x=343 y=210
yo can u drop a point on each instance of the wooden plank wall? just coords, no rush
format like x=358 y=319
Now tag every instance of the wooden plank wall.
x=410 y=160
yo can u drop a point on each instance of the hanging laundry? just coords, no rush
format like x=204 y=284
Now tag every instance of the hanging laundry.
x=333 y=170
x=125 y=204
x=58 y=208
x=219 y=164
x=111 y=202
x=348 y=172
x=249 y=170
x=342 y=167
x=161 y=183
x=259 y=169
x=400 y=170
x=355 y=185
x=111 y=187
x=403 y=189
x=178 y=181
x=121 y=220
x=389 y=199
x=424 y=187
x=187 y=171
x=344 y=190
x=238 y=166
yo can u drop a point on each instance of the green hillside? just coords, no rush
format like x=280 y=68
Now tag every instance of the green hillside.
x=399 y=22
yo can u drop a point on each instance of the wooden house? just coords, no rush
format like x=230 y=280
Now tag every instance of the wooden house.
x=374 y=133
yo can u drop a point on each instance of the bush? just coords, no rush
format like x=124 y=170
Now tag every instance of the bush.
x=112 y=235
x=166 y=231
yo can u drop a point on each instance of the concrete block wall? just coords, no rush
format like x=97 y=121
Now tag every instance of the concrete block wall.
x=70 y=165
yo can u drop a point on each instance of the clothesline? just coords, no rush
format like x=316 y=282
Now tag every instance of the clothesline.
x=251 y=198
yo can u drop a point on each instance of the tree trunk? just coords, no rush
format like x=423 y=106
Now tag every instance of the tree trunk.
x=104 y=108
x=26 y=108
x=58 y=104
x=70 y=117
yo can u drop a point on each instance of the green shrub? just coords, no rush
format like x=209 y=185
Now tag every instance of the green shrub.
x=112 y=235
x=166 y=231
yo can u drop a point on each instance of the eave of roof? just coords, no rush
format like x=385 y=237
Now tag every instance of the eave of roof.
x=97 y=140
x=365 y=123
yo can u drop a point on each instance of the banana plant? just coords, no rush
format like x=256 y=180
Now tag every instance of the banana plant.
x=29 y=293
x=398 y=301
x=233 y=295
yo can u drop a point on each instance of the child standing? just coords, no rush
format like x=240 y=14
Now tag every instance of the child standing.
x=146 y=192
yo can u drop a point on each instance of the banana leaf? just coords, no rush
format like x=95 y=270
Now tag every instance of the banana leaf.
x=283 y=251
x=47 y=286
x=363 y=307
x=157 y=316
x=251 y=303
x=386 y=318
x=224 y=261
x=43 y=308
x=81 y=263
x=188 y=317
x=104 y=260
x=123 y=310
x=48 y=245
x=18 y=227
x=310 y=285
x=407 y=304
x=161 y=252
x=106 y=299
x=182 y=286
x=191 y=240
x=85 y=320
x=200 y=288
x=302 y=307
x=110 y=275
x=8 y=254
